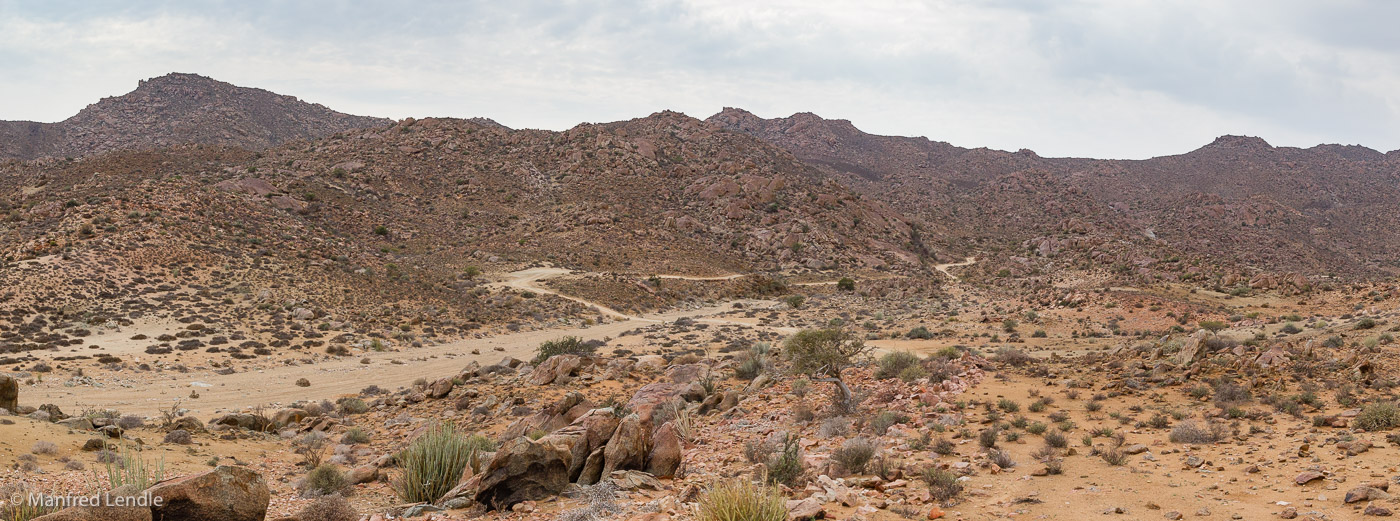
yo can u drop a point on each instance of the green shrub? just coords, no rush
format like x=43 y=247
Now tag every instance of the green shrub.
x=913 y=373
x=741 y=500
x=1366 y=323
x=942 y=485
x=325 y=480
x=130 y=469
x=794 y=301
x=893 y=363
x=433 y=463
x=785 y=467
x=846 y=284
x=919 y=333
x=1378 y=416
x=569 y=345
x=1008 y=405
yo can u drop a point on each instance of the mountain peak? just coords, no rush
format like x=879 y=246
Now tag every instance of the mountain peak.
x=179 y=108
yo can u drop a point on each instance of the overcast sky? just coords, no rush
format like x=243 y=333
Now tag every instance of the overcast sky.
x=1106 y=78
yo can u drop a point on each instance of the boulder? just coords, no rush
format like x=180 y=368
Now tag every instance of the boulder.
x=523 y=470
x=365 y=474
x=252 y=422
x=654 y=395
x=123 y=505
x=187 y=423
x=440 y=389
x=9 y=394
x=1365 y=493
x=686 y=373
x=555 y=368
x=628 y=447
x=666 y=452
x=1191 y=349
x=562 y=412
x=226 y=493
x=288 y=416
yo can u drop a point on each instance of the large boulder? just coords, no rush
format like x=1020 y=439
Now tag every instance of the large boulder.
x=666 y=452
x=9 y=394
x=628 y=447
x=1191 y=349
x=226 y=493
x=523 y=470
x=654 y=395
x=252 y=422
x=556 y=368
x=127 y=509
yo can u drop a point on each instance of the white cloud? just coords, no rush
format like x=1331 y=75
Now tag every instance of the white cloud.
x=1106 y=78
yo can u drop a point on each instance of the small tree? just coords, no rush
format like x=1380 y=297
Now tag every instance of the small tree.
x=823 y=353
x=846 y=284
x=1214 y=326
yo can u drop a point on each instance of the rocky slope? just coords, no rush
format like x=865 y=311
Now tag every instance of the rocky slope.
x=1235 y=211
x=177 y=109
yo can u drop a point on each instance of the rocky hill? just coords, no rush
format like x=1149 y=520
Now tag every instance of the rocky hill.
x=1237 y=211
x=178 y=109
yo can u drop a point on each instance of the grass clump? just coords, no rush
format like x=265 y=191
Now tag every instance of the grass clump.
x=433 y=463
x=131 y=469
x=740 y=500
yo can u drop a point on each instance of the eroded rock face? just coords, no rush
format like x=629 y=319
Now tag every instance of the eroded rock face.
x=666 y=452
x=523 y=470
x=555 y=368
x=9 y=394
x=226 y=493
x=628 y=447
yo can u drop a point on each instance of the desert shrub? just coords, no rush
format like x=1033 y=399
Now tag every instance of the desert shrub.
x=433 y=463
x=1001 y=458
x=1115 y=457
x=794 y=301
x=882 y=422
x=1291 y=329
x=834 y=426
x=846 y=284
x=325 y=479
x=179 y=437
x=914 y=373
x=131 y=469
x=43 y=447
x=854 y=454
x=1377 y=416
x=1056 y=440
x=892 y=364
x=943 y=447
x=1008 y=405
x=758 y=451
x=1189 y=432
x=1093 y=406
x=1012 y=357
x=1036 y=428
x=569 y=345
x=741 y=500
x=353 y=406
x=130 y=421
x=919 y=333
x=988 y=437
x=328 y=508
x=1039 y=333
x=785 y=467
x=355 y=435
x=1366 y=323
x=942 y=485
x=1334 y=342
x=1159 y=421
x=1228 y=393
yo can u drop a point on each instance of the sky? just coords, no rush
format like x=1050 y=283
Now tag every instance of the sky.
x=1088 y=78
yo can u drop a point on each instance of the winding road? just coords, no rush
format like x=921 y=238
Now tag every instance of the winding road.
x=148 y=393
